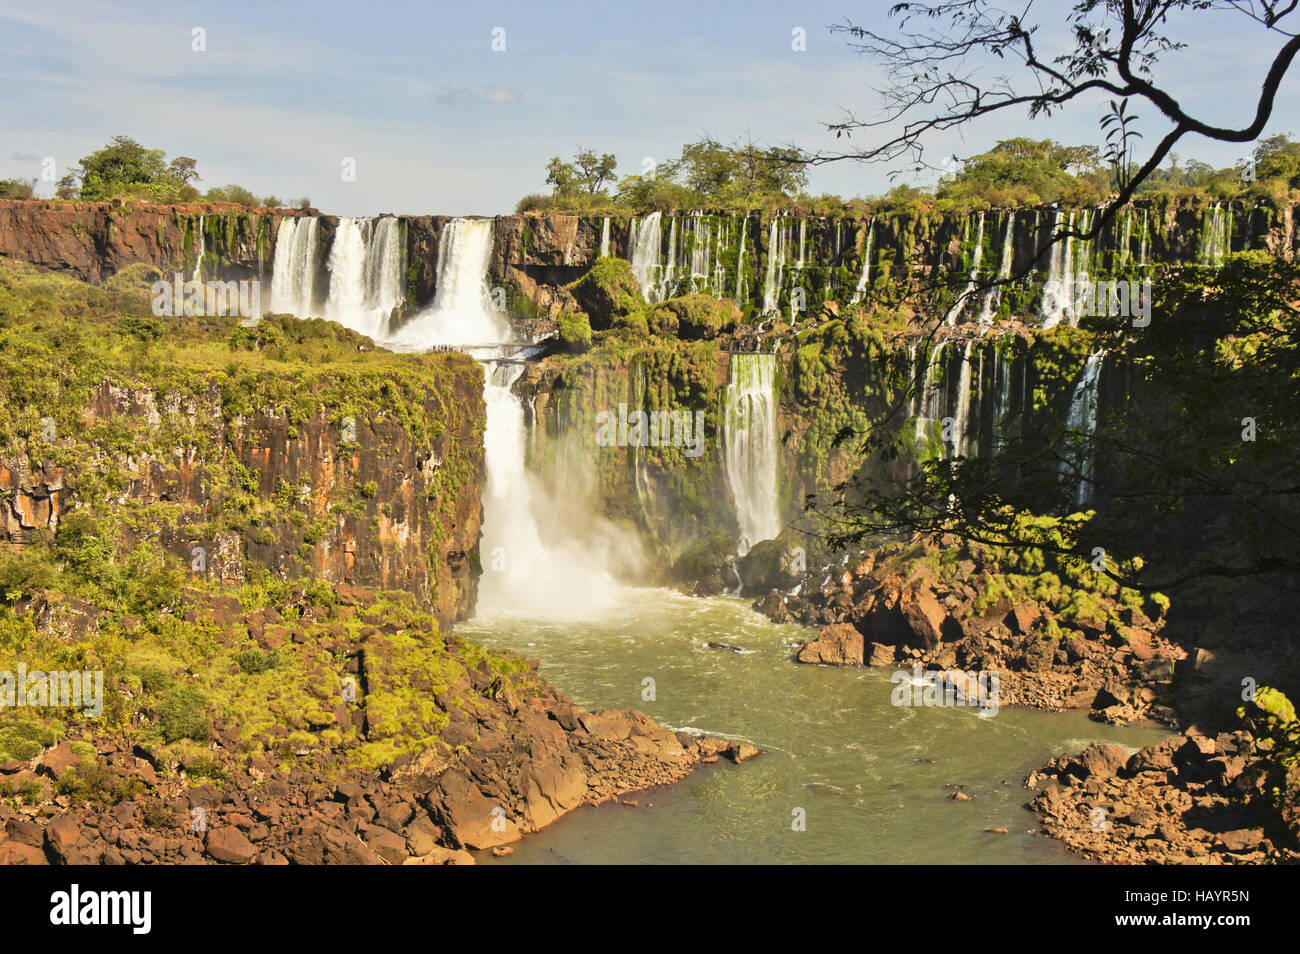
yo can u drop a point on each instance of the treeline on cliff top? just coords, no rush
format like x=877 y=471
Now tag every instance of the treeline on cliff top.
x=1016 y=172
x=124 y=169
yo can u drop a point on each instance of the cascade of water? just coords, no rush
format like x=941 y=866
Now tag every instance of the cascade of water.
x=776 y=258
x=346 y=266
x=931 y=396
x=668 y=282
x=1143 y=241
x=1214 y=236
x=977 y=257
x=645 y=239
x=462 y=311
x=1081 y=423
x=864 y=279
x=962 y=412
x=203 y=247
x=750 y=446
x=293 y=270
x=1060 y=271
x=993 y=297
x=803 y=238
x=385 y=268
x=604 y=237
x=740 y=262
x=525 y=566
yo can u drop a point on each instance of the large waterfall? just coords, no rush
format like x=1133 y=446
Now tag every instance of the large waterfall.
x=293 y=276
x=366 y=264
x=750 y=448
x=531 y=559
x=645 y=240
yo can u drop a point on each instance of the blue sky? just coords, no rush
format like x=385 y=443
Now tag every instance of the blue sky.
x=440 y=123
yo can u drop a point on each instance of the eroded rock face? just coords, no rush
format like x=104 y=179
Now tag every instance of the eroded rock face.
x=377 y=510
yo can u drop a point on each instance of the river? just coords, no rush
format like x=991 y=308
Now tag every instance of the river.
x=870 y=780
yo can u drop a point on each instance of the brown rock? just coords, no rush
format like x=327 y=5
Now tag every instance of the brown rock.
x=838 y=644
x=230 y=845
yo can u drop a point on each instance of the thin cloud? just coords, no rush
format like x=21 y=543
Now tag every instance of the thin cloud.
x=459 y=96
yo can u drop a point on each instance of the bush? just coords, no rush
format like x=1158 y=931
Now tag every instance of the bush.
x=575 y=331
x=183 y=714
x=607 y=292
x=693 y=317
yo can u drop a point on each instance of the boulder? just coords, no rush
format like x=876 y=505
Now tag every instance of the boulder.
x=230 y=845
x=838 y=644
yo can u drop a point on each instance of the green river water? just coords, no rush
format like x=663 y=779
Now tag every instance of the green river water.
x=870 y=777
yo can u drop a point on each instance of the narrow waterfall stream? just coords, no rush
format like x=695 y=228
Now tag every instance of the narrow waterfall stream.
x=750 y=446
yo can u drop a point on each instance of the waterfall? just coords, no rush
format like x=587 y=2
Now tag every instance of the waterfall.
x=750 y=446
x=346 y=266
x=776 y=257
x=930 y=400
x=461 y=313
x=293 y=270
x=1060 y=271
x=1143 y=241
x=385 y=268
x=531 y=557
x=198 y=260
x=993 y=297
x=1214 y=236
x=977 y=257
x=963 y=409
x=366 y=266
x=1081 y=424
x=645 y=238
x=604 y=237
x=864 y=279
x=740 y=263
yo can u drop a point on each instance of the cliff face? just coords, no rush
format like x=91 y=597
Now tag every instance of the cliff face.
x=316 y=457
x=765 y=262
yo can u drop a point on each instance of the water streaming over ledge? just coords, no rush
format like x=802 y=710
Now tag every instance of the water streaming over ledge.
x=750 y=446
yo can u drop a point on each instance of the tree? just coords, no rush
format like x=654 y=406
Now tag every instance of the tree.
x=594 y=171
x=126 y=168
x=938 y=57
x=1183 y=483
x=17 y=188
x=1028 y=172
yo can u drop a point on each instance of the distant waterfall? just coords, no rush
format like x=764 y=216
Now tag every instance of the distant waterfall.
x=347 y=263
x=385 y=270
x=962 y=413
x=202 y=250
x=293 y=270
x=750 y=448
x=1060 y=275
x=864 y=278
x=1214 y=236
x=977 y=258
x=604 y=237
x=1081 y=423
x=993 y=297
x=777 y=240
x=645 y=240
x=930 y=399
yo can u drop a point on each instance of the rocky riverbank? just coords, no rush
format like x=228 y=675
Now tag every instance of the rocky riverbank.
x=376 y=741
x=1231 y=798
x=951 y=608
